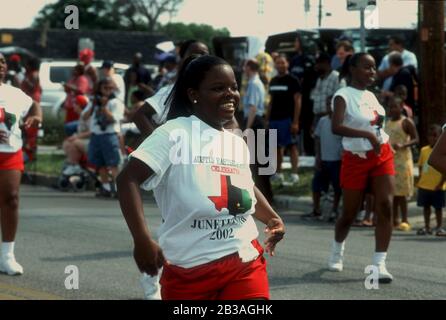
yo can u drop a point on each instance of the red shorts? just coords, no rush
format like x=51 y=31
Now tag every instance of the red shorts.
x=227 y=278
x=12 y=161
x=356 y=171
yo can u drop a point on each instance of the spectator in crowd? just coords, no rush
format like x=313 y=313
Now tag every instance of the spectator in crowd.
x=431 y=186
x=283 y=115
x=170 y=65
x=327 y=166
x=143 y=77
x=136 y=101
x=402 y=76
x=302 y=67
x=86 y=57
x=154 y=112
x=401 y=91
x=385 y=72
x=31 y=86
x=16 y=73
x=105 y=112
x=326 y=85
x=253 y=110
x=344 y=48
x=108 y=71
x=402 y=136
x=77 y=85
x=438 y=156
x=161 y=72
x=76 y=145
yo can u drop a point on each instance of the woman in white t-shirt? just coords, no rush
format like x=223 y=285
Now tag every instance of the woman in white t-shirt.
x=200 y=176
x=438 y=155
x=367 y=161
x=15 y=106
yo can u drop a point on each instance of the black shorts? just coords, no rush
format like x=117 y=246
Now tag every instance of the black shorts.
x=427 y=198
x=329 y=173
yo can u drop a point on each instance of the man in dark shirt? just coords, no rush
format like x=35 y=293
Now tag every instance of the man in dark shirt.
x=283 y=115
x=302 y=67
x=402 y=76
x=143 y=75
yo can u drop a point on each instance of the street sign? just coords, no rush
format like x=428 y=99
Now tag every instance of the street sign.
x=353 y=5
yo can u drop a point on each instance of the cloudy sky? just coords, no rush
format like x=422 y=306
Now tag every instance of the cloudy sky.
x=242 y=17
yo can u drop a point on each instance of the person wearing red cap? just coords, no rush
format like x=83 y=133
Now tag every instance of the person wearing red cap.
x=15 y=73
x=86 y=56
x=76 y=145
x=77 y=85
x=14 y=107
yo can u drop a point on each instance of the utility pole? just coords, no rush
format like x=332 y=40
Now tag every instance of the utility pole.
x=432 y=102
x=320 y=14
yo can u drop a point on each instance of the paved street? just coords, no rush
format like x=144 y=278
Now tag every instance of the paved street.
x=61 y=229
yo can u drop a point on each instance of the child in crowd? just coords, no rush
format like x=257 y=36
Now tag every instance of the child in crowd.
x=105 y=112
x=431 y=186
x=403 y=135
x=328 y=165
x=401 y=91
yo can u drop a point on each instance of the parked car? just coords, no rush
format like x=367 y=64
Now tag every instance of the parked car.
x=52 y=74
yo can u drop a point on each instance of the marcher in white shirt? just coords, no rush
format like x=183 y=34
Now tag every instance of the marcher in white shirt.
x=206 y=194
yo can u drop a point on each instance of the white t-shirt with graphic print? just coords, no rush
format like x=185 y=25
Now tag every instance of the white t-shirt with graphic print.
x=203 y=185
x=363 y=112
x=14 y=106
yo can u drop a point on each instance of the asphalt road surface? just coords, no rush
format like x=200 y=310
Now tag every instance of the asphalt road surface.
x=59 y=230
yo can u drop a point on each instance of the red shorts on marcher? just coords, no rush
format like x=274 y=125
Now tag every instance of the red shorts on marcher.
x=227 y=278
x=356 y=171
x=12 y=161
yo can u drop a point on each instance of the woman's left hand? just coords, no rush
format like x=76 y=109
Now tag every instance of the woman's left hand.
x=275 y=230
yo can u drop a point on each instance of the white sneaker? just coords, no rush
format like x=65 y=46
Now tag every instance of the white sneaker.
x=151 y=287
x=384 y=276
x=294 y=178
x=335 y=261
x=10 y=266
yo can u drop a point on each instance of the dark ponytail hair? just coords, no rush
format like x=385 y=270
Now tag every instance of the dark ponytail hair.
x=350 y=61
x=190 y=76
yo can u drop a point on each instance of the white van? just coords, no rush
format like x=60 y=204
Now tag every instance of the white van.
x=52 y=74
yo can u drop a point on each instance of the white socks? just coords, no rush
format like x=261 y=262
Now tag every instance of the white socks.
x=338 y=247
x=8 y=249
x=379 y=258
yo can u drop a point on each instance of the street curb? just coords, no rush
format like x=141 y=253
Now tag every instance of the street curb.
x=281 y=202
x=31 y=178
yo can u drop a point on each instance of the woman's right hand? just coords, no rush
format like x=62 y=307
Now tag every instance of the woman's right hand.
x=148 y=256
x=376 y=144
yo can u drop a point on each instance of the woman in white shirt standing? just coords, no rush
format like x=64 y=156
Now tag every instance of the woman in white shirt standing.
x=15 y=106
x=202 y=182
x=367 y=161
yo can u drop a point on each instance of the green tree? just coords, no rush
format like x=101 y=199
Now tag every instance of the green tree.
x=179 y=31
x=93 y=14
x=136 y=15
